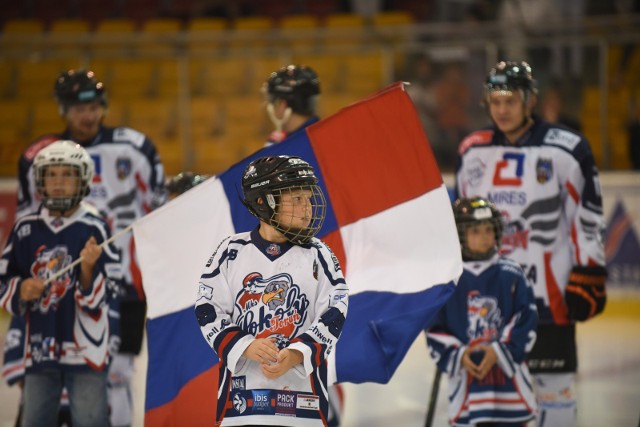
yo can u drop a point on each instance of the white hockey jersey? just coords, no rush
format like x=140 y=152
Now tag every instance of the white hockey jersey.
x=546 y=187
x=252 y=288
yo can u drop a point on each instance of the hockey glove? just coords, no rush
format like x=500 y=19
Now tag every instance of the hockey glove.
x=586 y=294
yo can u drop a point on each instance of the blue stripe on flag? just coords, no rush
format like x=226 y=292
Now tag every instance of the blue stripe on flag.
x=181 y=354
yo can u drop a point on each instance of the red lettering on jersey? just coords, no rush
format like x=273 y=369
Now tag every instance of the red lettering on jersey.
x=482 y=137
x=31 y=152
x=499 y=180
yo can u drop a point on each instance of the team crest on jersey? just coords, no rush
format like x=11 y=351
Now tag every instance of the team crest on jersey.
x=274 y=249
x=475 y=171
x=47 y=264
x=123 y=167
x=271 y=307
x=484 y=318
x=544 y=170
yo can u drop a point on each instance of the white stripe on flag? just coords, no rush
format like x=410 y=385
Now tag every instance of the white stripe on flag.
x=174 y=242
x=404 y=249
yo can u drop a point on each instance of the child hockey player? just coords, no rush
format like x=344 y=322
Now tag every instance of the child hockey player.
x=272 y=302
x=65 y=313
x=481 y=337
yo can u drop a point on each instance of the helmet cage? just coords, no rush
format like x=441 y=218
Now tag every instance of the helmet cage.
x=474 y=212
x=63 y=153
x=265 y=182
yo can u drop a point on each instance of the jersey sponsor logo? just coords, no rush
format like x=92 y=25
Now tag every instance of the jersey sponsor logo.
x=517 y=198
x=509 y=170
x=261 y=402
x=272 y=307
x=544 y=170
x=13 y=339
x=123 y=167
x=309 y=402
x=562 y=138
x=239 y=403
x=239 y=383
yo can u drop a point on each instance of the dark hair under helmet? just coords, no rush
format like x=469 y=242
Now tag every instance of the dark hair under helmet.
x=474 y=211
x=296 y=84
x=267 y=179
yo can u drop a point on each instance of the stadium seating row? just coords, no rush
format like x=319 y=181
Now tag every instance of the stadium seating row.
x=204 y=133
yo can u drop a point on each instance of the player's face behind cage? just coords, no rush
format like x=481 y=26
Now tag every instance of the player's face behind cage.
x=298 y=211
x=60 y=186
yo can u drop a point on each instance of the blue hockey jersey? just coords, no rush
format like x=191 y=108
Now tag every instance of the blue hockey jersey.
x=494 y=305
x=67 y=327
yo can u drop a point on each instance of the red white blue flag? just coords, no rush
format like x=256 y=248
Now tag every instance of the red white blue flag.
x=389 y=221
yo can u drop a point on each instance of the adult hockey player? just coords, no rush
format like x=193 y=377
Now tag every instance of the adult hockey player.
x=481 y=337
x=291 y=100
x=543 y=179
x=128 y=183
x=65 y=313
x=272 y=302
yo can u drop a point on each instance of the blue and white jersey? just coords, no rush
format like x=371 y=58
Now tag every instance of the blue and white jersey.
x=547 y=189
x=67 y=327
x=128 y=183
x=494 y=305
x=252 y=288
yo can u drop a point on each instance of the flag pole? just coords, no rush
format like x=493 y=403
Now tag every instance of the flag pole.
x=79 y=260
x=433 y=399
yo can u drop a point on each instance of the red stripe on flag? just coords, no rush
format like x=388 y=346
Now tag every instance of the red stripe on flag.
x=395 y=171
x=194 y=406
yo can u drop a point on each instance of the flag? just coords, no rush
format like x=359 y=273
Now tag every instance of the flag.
x=389 y=221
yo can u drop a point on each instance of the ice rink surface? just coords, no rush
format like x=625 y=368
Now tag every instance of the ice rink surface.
x=608 y=384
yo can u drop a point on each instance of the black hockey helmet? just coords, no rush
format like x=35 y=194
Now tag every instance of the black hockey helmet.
x=183 y=181
x=475 y=211
x=267 y=179
x=78 y=86
x=296 y=84
x=509 y=76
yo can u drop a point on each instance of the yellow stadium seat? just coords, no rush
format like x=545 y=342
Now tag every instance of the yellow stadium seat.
x=22 y=35
x=15 y=120
x=206 y=119
x=299 y=31
x=251 y=32
x=69 y=36
x=160 y=36
x=46 y=119
x=114 y=36
x=117 y=114
x=343 y=29
x=206 y=35
x=331 y=103
x=328 y=66
x=130 y=77
x=35 y=79
x=221 y=77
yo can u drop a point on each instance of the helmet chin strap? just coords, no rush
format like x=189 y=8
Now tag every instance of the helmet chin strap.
x=278 y=123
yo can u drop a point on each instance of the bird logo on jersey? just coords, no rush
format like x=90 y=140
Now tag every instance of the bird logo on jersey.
x=47 y=264
x=484 y=318
x=271 y=306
